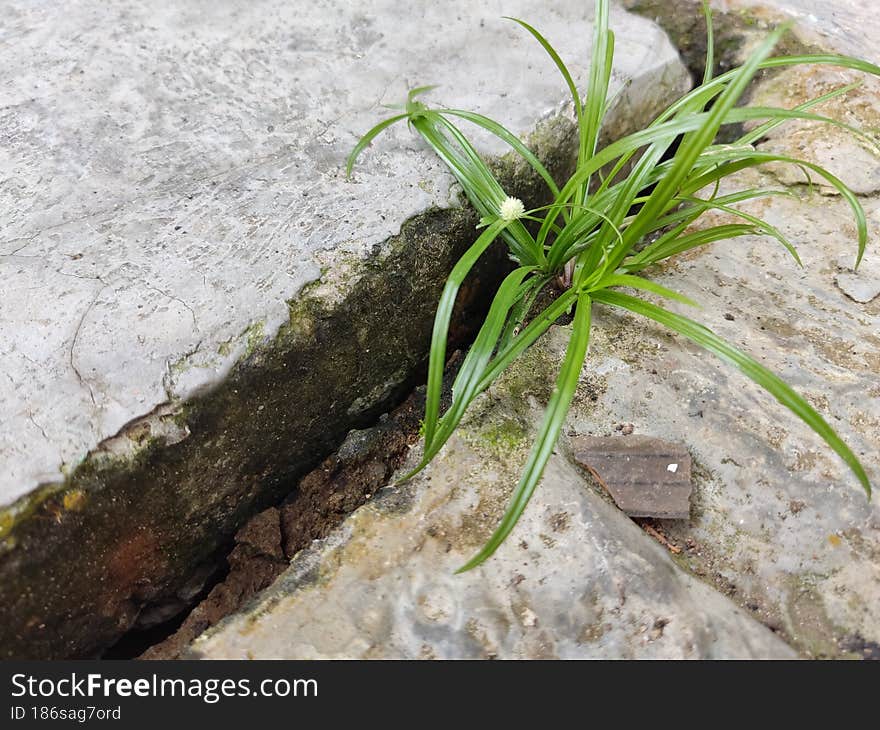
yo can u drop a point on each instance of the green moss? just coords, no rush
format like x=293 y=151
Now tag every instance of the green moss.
x=746 y=18
x=533 y=376
x=504 y=437
x=254 y=337
x=179 y=365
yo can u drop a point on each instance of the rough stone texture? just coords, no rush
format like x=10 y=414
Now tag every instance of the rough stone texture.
x=779 y=524
x=576 y=580
x=847 y=26
x=843 y=26
x=782 y=526
x=190 y=293
x=859 y=286
x=778 y=521
x=850 y=158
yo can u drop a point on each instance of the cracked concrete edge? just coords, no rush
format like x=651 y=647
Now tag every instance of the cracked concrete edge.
x=150 y=505
x=221 y=182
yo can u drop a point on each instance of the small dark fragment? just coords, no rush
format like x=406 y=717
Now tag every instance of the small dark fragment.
x=646 y=476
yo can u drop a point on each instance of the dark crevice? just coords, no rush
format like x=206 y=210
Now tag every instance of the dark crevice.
x=336 y=483
x=140 y=638
x=364 y=463
x=309 y=507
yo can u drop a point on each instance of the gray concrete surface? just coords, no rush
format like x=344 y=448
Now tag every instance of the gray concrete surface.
x=847 y=26
x=194 y=304
x=171 y=177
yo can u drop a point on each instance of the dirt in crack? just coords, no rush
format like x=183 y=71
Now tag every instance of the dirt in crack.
x=263 y=547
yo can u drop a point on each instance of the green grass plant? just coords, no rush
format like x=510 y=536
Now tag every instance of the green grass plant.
x=657 y=182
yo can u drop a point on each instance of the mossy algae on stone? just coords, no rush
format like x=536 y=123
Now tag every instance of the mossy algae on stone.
x=160 y=510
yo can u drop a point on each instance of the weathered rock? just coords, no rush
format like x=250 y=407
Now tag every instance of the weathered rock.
x=859 y=287
x=196 y=306
x=862 y=285
x=846 y=26
x=851 y=158
x=779 y=524
x=849 y=26
x=778 y=521
x=577 y=578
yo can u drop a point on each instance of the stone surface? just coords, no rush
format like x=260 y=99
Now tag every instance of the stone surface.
x=846 y=156
x=850 y=27
x=191 y=293
x=778 y=521
x=779 y=524
x=577 y=579
x=859 y=287
x=847 y=26
x=862 y=285
x=646 y=477
x=168 y=194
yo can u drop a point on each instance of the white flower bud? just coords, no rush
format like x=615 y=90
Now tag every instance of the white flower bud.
x=511 y=209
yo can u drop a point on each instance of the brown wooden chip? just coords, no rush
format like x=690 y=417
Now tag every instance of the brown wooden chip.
x=646 y=477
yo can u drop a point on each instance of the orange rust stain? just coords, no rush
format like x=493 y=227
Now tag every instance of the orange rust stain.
x=137 y=558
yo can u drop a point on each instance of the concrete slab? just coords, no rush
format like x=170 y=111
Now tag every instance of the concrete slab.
x=173 y=178
x=175 y=216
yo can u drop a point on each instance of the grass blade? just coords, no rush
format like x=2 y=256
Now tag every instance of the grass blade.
x=437 y=357
x=364 y=141
x=511 y=139
x=638 y=282
x=756 y=372
x=473 y=368
x=693 y=144
x=563 y=69
x=753 y=159
x=525 y=339
x=674 y=244
x=554 y=417
x=710 y=43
